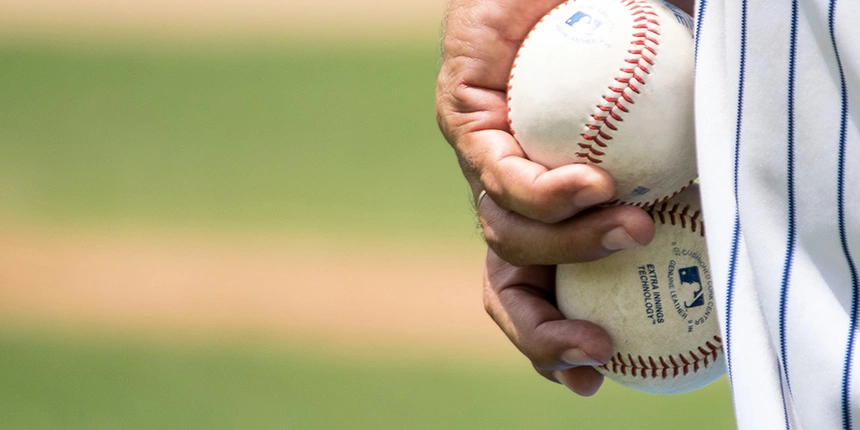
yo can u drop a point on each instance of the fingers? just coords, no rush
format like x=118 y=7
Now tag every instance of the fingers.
x=521 y=301
x=530 y=217
x=528 y=188
x=589 y=236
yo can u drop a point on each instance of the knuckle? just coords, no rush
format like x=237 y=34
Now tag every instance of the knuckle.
x=494 y=239
x=489 y=303
x=495 y=234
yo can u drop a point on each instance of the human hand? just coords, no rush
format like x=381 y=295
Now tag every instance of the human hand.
x=521 y=301
x=527 y=211
x=527 y=216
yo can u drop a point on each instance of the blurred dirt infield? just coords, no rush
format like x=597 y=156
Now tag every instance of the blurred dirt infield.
x=379 y=19
x=354 y=295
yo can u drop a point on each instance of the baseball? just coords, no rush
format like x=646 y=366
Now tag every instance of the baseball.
x=609 y=83
x=656 y=303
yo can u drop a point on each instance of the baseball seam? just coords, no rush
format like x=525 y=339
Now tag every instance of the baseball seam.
x=666 y=367
x=615 y=103
x=672 y=213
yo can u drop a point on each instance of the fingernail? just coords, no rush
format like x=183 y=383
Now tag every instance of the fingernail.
x=590 y=197
x=578 y=357
x=618 y=238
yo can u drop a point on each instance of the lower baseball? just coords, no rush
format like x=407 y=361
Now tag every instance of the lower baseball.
x=656 y=302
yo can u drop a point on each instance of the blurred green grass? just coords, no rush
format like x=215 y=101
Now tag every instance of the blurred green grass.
x=101 y=383
x=338 y=139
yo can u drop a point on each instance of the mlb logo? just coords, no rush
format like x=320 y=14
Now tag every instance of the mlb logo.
x=640 y=190
x=690 y=275
x=583 y=23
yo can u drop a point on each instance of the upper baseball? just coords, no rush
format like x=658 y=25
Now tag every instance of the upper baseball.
x=610 y=83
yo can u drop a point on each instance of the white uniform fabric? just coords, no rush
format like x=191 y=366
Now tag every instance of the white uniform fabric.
x=777 y=117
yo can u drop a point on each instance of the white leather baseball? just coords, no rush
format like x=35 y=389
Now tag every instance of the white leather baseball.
x=610 y=83
x=656 y=302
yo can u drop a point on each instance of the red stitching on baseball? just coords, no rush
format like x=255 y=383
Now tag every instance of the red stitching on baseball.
x=598 y=139
x=659 y=212
x=590 y=149
x=660 y=368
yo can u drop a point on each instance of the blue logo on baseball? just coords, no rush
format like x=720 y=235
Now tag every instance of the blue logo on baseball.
x=583 y=24
x=589 y=25
x=690 y=275
x=687 y=287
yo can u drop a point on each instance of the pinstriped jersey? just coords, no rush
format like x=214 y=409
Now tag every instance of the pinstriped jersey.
x=777 y=117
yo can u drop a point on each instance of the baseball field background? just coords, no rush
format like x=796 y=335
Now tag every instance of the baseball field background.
x=240 y=214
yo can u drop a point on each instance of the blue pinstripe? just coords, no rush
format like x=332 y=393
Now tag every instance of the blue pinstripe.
x=792 y=228
x=700 y=12
x=736 y=230
x=791 y=274
x=843 y=237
